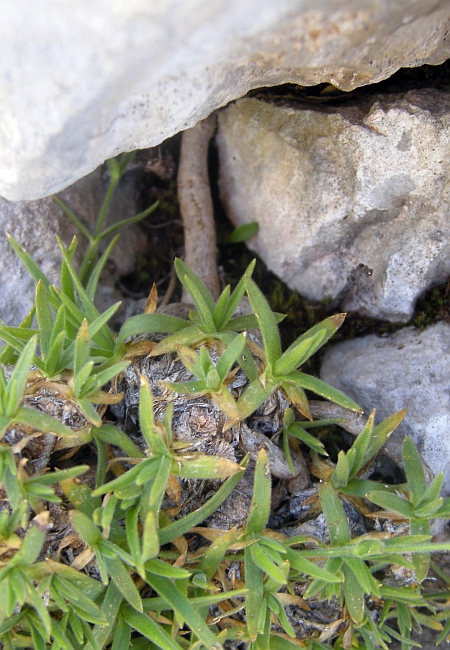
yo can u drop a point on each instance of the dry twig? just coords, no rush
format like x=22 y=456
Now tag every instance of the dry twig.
x=196 y=206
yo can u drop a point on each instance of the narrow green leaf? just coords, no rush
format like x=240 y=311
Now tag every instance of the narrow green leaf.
x=86 y=528
x=72 y=216
x=323 y=389
x=183 y=609
x=236 y=297
x=89 y=412
x=254 y=601
x=121 y=577
x=260 y=503
x=242 y=233
x=295 y=429
x=149 y=629
x=82 y=349
x=265 y=564
x=382 y=432
x=185 y=273
x=192 y=360
x=67 y=287
x=415 y=474
x=203 y=466
x=230 y=356
x=106 y=375
x=59 y=475
x=147 y=419
x=144 y=323
x=114 y=436
x=129 y=478
x=126 y=222
x=307 y=344
x=392 y=502
x=18 y=379
x=341 y=473
x=354 y=595
x=357 y=455
x=334 y=515
x=99 y=323
x=26 y=259
x=88 y=306
x=204 y=308
x=432 y=492
x=77 y=597
x=150 y=538
x=41 y=421
x=363 y=575
x=94 y=276
x=310 y=569
x=54 y=365
x=161 y=568
x=44 y=319
x=221 y=307
x=266 y=320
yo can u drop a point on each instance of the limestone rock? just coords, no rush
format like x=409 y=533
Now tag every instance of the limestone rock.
x=35 y=225
x=83 y=81
x=352 y=201
x=410 y=369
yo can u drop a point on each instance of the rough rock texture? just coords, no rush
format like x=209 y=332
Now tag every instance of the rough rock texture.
x=82 y=81
x=410 y=369
x=35 y=225
x=335 y=188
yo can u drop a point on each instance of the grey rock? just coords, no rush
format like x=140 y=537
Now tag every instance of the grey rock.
x=352 y=201
x=83 y=81
x=36 y=224
x=409 y=369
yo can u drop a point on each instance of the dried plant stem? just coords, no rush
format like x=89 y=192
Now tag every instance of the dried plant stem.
x=196 y=206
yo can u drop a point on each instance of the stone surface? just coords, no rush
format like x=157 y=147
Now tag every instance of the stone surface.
x=336 y=189
x=83 y=81
x=35 y=225
x=410 y=369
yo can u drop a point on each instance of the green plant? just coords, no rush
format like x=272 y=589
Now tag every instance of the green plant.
x=144 y=573
x=116 y=168
x=281 y=369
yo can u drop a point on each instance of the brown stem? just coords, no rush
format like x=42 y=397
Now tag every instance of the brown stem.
x=196 y=206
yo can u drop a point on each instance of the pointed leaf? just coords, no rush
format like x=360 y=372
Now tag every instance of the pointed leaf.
x=307 y=344
x=382 y=432
x=321 y=388
x=146 y=626
x=334 y=515
x=392 y=502
x=192 y=282
x=260 y=503
x=26 y=259
x=237 y=295
x=266 y=320
x=354 y=595
x=221 y=307
x=191 y=335
x=122 y=579
x=265 y=564
x=415 y=473
x=230 y=355
x=18 y=379
x=94 y=276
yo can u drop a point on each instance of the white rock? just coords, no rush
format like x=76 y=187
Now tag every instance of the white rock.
x=410 y=369
x=336 y=187
x=82 y=81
